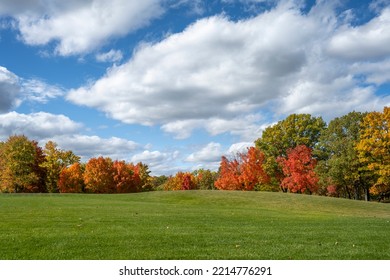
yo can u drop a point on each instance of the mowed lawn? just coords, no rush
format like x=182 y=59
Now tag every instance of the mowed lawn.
x=192 y=225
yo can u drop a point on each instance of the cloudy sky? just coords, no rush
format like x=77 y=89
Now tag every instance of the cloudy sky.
x=177 y=84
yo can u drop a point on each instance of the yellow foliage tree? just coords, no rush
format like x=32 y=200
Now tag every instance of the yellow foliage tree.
x=374 y=148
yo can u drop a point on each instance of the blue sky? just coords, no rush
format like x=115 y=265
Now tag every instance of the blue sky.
x=178 y=84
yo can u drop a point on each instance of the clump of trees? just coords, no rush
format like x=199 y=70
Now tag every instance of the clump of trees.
x=25 y=167
x=245 y=172
x=349 y=157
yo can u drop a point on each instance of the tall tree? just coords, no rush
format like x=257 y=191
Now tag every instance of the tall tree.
x=298 y=168
x=339 y=165
x=374 y=147
x=295 y=130
x=19 y=165
x=142 y=170
x=55 y=160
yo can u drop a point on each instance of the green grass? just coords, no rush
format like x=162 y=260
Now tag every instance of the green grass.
x=192 y=225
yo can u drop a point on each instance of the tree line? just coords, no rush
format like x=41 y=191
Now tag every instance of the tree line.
x=349 y=157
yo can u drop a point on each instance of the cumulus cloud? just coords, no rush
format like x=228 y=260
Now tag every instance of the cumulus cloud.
x=212 y=152
x=9 y=90
x=87 y=146
x=37 y=125
x=365 y=42
x=218 y=74
x=377 y=72
x=216 y=69
x=238 y=148
x=160 y=163
x=78 y=27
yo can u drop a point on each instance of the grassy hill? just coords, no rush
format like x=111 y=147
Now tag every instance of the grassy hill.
x=192 y=225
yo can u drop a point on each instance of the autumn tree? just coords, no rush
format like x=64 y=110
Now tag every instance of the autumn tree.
x=298 y=169
x=374 y=148
x=339 y=166
x=20 y=161
x=205 y=179
x=295 y=130
x=229 y=173
x=98 y=176
x=71 y=179
x=142 y=170
x=244 y=173
x=251 y=169
x=181 y=181
x=126 y=177
x=55 y=160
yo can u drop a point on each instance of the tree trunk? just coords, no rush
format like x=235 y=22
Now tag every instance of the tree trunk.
x=367 y=194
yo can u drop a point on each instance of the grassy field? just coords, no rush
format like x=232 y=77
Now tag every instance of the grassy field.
x=192 y=225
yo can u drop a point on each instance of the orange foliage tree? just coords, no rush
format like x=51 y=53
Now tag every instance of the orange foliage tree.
x=244 y=173
x=126 y=177
x=71 y=179
x=298 y=169
x=98 y=176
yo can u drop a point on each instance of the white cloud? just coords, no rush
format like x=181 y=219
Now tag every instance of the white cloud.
x=197 y=7
x=377 y=72
x=38 y=91
x=160 y=163
x=216 y=69
x=79 y=26
x=212 y=152
x=15 y=90
x=378 y=5
x=37 y=125
x=94 y=146
x=365 y=42
x=9 y=90
x=218 y=74
x=238 y=148
x=111 y=56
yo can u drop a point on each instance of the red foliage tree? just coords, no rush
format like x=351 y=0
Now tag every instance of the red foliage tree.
x=71 y=179
x=298 y=169
x=244 y=173
x=228 y=175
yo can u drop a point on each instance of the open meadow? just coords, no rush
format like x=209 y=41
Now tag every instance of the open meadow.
x=192 y=225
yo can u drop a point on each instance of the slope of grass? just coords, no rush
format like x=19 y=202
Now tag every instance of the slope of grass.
x=192 y=225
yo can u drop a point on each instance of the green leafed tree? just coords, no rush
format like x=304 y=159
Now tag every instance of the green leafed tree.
x=295 y=130
x=340 y=171
x=205 y=178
